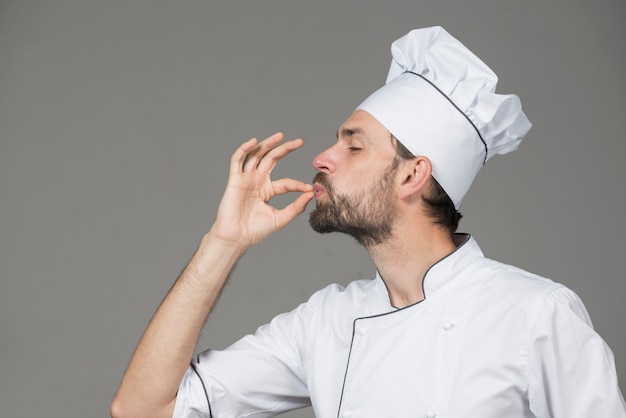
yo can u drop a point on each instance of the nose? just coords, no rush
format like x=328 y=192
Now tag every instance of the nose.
x=325 y=161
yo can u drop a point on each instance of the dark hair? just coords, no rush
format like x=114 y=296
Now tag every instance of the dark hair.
x=438 y=204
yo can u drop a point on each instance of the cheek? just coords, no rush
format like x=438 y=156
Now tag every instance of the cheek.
x=357 y=183
x=355 y=178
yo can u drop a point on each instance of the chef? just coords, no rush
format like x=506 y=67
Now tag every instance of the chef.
x=439 y=331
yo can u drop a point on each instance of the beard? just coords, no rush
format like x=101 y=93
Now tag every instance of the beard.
x=367 y=216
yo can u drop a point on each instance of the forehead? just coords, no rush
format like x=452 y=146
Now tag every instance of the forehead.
x=362 y=124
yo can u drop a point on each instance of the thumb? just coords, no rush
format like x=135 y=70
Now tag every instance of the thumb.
x=295 y=208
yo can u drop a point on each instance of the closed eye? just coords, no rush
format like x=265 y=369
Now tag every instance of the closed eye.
x=354 y=149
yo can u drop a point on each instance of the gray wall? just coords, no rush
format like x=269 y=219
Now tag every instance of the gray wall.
x=117 y=119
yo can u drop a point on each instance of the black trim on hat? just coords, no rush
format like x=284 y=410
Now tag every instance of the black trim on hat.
x=457 y=108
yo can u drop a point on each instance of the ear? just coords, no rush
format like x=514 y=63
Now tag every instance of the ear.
x=414 y=176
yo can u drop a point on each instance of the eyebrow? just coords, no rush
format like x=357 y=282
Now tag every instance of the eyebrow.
x=349 y=132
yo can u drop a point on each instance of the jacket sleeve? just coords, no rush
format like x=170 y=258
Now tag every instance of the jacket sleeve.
x=571 y=369
x=261 y=375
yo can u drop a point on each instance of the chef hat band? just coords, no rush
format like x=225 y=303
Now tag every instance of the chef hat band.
x=439 y=101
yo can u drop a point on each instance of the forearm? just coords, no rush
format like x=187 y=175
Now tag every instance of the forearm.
x=163 y=354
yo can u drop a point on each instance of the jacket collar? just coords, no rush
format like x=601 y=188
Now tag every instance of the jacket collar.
x=448 y=268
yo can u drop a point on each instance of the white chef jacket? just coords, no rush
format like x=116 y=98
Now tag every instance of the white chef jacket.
x=488 y=341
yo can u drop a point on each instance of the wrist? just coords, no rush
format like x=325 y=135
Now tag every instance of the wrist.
x=218 y=242
x=215 y=254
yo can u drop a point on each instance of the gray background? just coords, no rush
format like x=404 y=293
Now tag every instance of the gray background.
x=117 y=120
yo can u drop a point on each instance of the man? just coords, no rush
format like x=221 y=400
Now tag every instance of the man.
x=440 y=331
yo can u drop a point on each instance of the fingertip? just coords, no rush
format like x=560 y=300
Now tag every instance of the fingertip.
x=302 y=201
x=308 y=196
x=296 y=143
x=278 y=134
x=250 y=142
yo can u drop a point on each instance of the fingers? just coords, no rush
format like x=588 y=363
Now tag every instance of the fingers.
x=271 y=158
x=260 y=151
x=290 y=212
x=287 y=185
x=239 y=156
x=262 y=155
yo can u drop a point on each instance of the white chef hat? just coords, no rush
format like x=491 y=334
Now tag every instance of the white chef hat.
x=439 y=101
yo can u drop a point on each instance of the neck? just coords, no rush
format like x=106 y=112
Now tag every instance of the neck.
x=403 y=260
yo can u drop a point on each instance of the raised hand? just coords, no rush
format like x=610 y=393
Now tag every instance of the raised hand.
x=245 y=217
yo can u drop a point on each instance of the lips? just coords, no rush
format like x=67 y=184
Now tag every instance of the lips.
x=321 y=186
x=319 y=190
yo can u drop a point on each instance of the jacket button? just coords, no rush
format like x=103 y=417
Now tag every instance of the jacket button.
x=362 y=330
x=346 y=414
x=431 y=414
x=447 y=325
